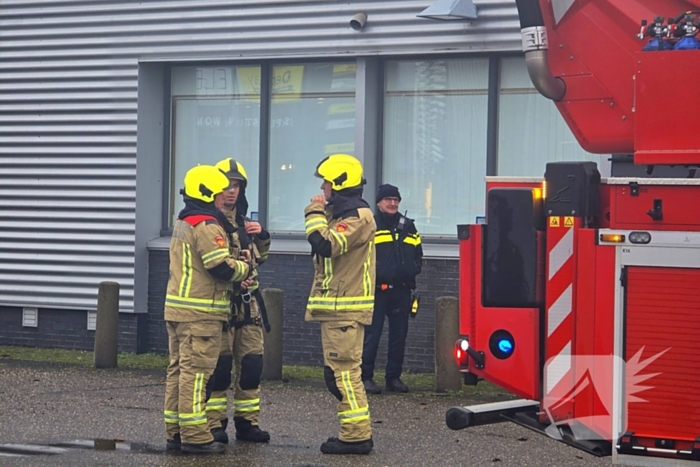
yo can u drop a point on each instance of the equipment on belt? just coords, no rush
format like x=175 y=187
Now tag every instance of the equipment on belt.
x=243 y=301
x=415 y=301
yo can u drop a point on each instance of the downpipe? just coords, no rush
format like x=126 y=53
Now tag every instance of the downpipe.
x=535 y=45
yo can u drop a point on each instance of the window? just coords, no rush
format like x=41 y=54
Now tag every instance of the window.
x=531 y=132
x=435 y=120
x=216 y=114
x=312 y=115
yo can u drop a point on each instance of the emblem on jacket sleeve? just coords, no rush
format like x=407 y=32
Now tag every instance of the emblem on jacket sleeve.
x=341 y=227
x=220 y=241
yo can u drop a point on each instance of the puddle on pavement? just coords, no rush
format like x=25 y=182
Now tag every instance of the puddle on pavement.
x=53 y=449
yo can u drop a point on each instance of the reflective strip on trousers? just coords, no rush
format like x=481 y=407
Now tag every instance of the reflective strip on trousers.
x=198 y=416
x=218 y=403
x=349 y=391
x=171 y=417
x=354 y=416
x=188 y=419
x=251 y=405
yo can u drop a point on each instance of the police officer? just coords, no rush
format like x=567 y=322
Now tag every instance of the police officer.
x=197 y=307
x=399 y=258
x=245 y=337
x=340 y=228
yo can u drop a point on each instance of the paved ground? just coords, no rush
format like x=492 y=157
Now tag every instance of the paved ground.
x=42 y=404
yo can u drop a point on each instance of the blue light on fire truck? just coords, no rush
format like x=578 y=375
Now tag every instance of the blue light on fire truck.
x=505 y=346
x=502 y=344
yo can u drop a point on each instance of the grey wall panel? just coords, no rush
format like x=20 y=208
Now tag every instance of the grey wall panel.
x=68 y=107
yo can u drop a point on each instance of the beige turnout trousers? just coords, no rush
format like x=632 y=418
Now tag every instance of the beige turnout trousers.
x=342 y=343
x=194 y=350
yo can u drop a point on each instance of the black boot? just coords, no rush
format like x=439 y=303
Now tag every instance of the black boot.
x=220 y=435
x=335 y=446
x=207 y=448
x=396 y=385
x=371 y=387
x=173 y=444
x=246 y=431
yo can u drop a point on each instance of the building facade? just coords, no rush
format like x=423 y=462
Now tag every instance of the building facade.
x=105 y=104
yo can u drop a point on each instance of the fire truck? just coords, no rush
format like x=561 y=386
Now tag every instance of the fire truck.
x=580 y=294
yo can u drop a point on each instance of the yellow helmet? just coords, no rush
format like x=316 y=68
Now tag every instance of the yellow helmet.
x=233 y=170
x=341 y=171
x=204 y=182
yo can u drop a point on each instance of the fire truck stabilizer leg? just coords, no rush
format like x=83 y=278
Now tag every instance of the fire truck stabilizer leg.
x=458 y=418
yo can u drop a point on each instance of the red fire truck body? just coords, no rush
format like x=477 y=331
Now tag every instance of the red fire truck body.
x=581 y=294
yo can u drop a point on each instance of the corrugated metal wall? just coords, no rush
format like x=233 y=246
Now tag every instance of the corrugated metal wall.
x=68 y=82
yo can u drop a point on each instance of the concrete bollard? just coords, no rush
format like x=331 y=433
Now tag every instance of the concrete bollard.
x=272 y=356
x=107 y=327
x=447 y=374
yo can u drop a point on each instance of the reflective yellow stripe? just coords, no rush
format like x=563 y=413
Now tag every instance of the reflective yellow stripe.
x=171 y=417
x=250 y=405
x=412 y=241
x=214 y=255
x=344 y=300
x=217 y=403
x=197 y=393
x=349 y=391
x=240 y=272
x=354 y=416
x=383 y=239
x=342 y=240
x=186 y=281
x=366 y=278
x=193 y=419
x=341 y=303
x=208 y=306
x=315 y=223
x=328 y=271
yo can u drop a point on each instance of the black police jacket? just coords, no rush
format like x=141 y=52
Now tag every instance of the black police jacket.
x=399 y=251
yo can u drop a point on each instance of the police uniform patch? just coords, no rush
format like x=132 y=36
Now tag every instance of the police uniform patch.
x=220 y=241
x=341 y=227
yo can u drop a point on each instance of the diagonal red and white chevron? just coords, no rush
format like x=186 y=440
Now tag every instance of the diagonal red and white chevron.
x=559 y=303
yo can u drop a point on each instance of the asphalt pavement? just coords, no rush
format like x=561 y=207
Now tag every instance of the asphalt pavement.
x=62 y=410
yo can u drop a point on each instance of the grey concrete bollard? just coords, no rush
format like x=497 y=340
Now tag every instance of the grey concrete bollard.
x=447 y=374
x=107 y=327
x=272 y=356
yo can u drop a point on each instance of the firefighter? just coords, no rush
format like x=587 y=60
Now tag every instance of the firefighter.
x=340 y=228
x=399 y=260
x=249 y=316
x=197 y=308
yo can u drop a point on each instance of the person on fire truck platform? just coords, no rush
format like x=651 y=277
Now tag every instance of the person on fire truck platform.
x=340 y=228
x=399 y=260
x=244 y=341
x=197 y=308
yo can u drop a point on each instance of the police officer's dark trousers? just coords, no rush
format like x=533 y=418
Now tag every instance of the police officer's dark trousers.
x=395 y=305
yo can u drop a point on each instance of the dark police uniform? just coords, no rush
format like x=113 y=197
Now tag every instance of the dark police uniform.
x=399 y=259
